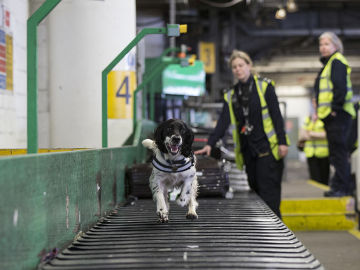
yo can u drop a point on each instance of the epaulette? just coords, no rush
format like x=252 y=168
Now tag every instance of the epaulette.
x=269 y=81
x=226 y=90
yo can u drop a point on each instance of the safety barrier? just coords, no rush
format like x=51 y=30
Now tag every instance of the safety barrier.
x=47 y=199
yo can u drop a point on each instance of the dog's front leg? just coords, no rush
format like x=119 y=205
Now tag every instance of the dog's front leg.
x=193 y=204
x=161 y=205
x=184 y=197
x=188 y=195
x=161 y=209
x=158 y=190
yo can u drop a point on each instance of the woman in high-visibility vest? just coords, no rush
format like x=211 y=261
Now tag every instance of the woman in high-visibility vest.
x=316 y=149
x=251 y=109
x=334 y=93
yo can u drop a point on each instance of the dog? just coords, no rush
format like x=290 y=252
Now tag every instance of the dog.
x=173 y=167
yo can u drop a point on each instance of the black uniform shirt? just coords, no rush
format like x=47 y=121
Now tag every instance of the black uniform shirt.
x=256 y=142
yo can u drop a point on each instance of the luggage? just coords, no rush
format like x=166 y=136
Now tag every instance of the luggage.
x=137 y=180
x=212 y=178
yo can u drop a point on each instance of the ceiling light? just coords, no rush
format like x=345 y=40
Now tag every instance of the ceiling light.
x=280 y=14
x=291 y=6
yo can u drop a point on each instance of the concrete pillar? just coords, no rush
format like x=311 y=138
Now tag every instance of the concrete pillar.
x=84 y=37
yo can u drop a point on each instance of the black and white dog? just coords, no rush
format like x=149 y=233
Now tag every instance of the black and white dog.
x=173 y=167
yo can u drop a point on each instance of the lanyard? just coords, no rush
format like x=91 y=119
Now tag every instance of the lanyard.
x=245 y=104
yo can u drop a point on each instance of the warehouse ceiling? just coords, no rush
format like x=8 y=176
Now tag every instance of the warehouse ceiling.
x=250 y=25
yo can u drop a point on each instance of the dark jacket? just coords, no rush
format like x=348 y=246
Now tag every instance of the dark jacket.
x=256 y=142
x=353 y=134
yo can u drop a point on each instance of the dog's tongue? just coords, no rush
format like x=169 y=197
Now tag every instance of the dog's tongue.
x=174 y=148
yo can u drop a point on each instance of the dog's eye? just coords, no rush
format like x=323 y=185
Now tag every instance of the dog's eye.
x=169 y=129
x=182 y=131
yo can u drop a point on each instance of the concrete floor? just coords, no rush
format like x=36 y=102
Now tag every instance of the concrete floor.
x=336 y=250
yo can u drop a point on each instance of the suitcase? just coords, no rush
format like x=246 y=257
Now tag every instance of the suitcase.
x=212 y=178
x=137 y=180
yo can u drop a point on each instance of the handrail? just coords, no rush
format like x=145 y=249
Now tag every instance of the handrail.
x=106 y=71
x=32 y=23
x=170 y=30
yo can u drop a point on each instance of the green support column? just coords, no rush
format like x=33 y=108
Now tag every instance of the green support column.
x=152 y=106
x=143 y=103
x=32 y=23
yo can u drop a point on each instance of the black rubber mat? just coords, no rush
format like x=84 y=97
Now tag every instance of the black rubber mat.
x=241 y=233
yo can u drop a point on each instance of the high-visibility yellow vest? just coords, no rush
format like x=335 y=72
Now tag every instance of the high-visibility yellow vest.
x=261 y=86
x=326 y=89
x=315 y=148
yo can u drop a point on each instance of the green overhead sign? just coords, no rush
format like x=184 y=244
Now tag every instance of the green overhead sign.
x=187 y=81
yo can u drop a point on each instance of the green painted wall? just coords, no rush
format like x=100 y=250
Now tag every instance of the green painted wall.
x=47 y=199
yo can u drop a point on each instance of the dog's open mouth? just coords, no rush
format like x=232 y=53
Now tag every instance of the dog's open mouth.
x=173 y=148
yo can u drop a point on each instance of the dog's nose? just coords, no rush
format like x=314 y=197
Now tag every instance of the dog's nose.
x=176 y=139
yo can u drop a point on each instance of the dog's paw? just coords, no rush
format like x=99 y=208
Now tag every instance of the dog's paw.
x=163 y=217
x=149 y=144
x=191 y=215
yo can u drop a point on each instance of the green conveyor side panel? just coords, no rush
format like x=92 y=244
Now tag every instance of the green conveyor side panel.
x=47 y=199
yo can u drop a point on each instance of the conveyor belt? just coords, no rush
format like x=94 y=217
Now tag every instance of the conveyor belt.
x=241 y=233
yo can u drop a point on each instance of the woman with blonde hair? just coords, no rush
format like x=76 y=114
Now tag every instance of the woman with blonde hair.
x=251 y=109
x=334 y=107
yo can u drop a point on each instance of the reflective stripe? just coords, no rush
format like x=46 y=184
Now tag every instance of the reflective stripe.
x=315 y=144
x=320 y=145
x=238 y=156
x=324 y=104
x=270 y=134
x=325 y=90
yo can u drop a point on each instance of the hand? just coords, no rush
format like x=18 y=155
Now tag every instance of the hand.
x=333 y=113
x=306 y=136
x=314 y=117
x=205 y=150
x=283 y=150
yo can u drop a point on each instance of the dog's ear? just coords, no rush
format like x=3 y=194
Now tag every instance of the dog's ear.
x=159 y=136
x=186 y=148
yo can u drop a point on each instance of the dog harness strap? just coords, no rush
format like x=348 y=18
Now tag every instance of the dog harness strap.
x=171 y=169
x=182 y=161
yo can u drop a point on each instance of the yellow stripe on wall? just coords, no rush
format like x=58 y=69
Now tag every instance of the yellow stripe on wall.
x=10 y=152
